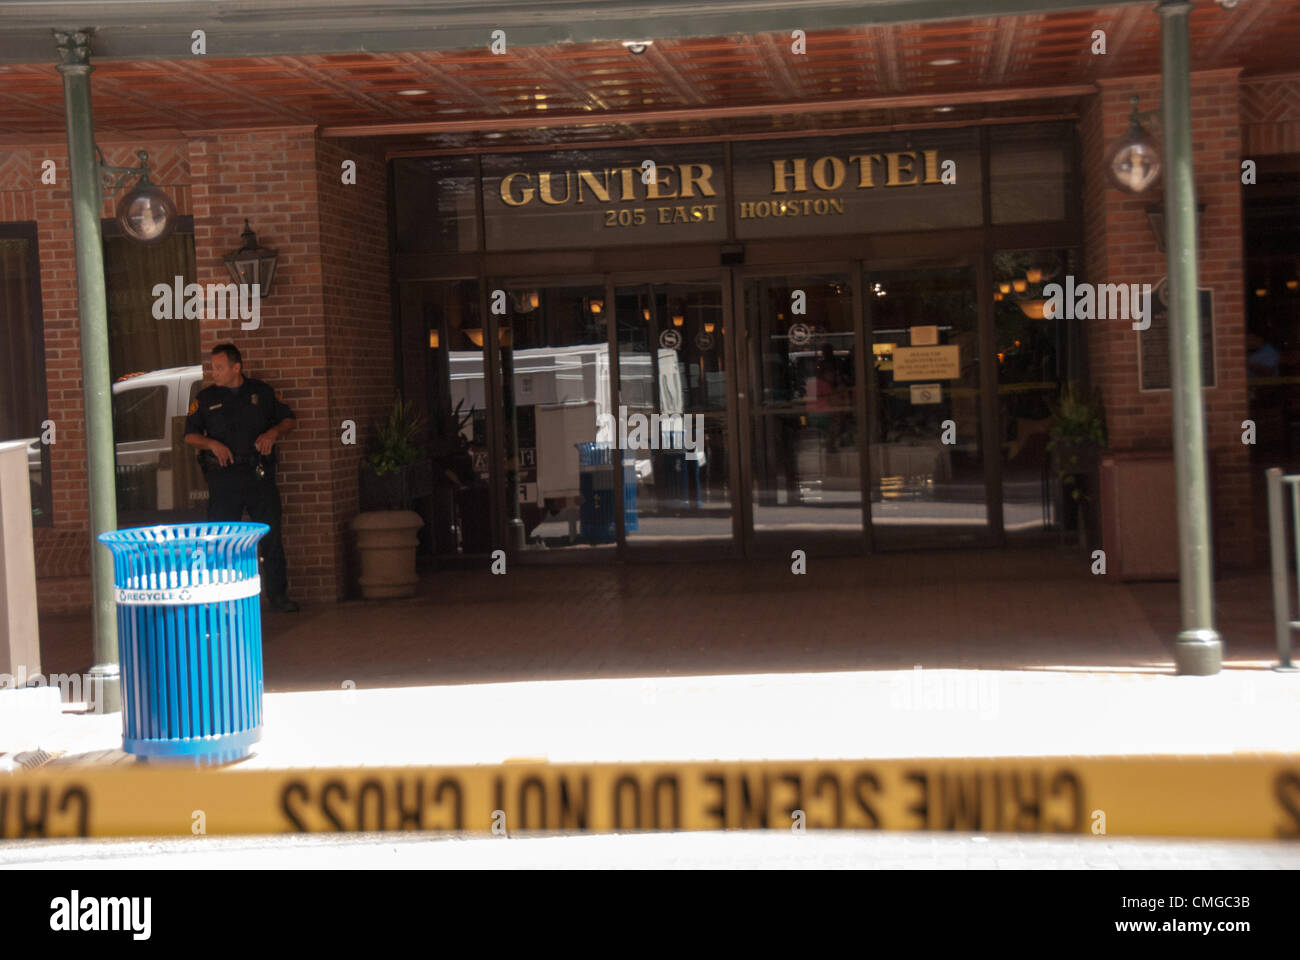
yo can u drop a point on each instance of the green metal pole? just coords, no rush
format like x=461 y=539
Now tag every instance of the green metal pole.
x=92 y=307
x=1198 y=649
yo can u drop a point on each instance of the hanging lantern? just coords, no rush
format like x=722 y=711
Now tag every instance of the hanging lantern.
x=252 y=263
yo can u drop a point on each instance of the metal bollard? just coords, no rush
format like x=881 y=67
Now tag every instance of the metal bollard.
x=1282 y=622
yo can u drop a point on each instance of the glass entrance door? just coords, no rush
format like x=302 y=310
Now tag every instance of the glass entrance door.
x=806 y=439
x=671 y=425
x=555 y=391
x=927 y=430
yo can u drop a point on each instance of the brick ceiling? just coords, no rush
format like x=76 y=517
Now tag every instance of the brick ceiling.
x=603 y=92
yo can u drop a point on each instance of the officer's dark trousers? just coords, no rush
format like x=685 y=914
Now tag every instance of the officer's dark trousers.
x=230 y=490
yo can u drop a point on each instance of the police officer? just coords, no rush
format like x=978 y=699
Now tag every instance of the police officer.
x=235 y=424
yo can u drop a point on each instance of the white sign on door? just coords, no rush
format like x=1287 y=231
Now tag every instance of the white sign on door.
x=927 y=393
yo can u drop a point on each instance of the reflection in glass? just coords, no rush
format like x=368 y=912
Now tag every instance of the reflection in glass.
x=555 y=392
x=1034 y=353
x=927 y=471
x=807 y=458
x=671 y=420
x=443 y=376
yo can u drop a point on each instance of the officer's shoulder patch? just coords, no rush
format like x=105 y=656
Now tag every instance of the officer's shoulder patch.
x=194 y=405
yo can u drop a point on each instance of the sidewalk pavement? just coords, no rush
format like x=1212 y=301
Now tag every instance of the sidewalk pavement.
x=735 y=850
x=1021 y=653
x=878 y=714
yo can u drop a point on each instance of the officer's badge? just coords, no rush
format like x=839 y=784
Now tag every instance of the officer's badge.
x=254 y=398
x=194 y=406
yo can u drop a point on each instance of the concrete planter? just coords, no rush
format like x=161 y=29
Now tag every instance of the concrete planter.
x=395 y=490
x=387 y=540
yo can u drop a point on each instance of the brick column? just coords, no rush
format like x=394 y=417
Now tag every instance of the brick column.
x=1120 y=248
x=269 y=178
x=325 y=340
x=354 y=251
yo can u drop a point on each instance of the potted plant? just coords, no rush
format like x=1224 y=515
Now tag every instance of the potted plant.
x=395 y=471
x=1077 y=437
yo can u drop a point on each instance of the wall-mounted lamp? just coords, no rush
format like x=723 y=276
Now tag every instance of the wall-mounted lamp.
x=253 y=263
x=433 y=339
x=708 y=327
x=1133 y=164
x=145 y=214
x=678 y=319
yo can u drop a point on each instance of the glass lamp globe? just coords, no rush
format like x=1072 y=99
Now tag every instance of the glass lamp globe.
x=1134 y=163
x=146 y=213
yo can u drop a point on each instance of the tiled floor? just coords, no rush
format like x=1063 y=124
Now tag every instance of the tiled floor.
x=732 y=660
x=1008 y=609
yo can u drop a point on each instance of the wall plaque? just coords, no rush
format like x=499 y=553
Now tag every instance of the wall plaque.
x=1153 y=344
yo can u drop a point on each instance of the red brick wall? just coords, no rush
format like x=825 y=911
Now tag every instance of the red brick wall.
x=278 y=180
x=1121 y=248
x=359 y=347
x=1270 y=115
x=269 y=178
x=63 y=551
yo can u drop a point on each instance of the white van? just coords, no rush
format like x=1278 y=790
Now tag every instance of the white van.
x=143 y=407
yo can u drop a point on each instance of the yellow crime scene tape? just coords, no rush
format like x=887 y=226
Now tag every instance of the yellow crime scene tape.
x=1226 y=796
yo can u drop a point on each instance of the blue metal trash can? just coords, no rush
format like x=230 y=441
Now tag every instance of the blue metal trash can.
x=189 y=635
x=596 y=519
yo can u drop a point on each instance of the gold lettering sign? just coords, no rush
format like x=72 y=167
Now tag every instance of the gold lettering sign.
x=619 y=185
x=678 y=192
x=828 y=173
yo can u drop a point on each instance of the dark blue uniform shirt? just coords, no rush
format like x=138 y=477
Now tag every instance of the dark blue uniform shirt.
x=237 y=417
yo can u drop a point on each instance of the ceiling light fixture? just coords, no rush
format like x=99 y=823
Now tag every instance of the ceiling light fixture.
x=637 y=46
x=944 y=109
x=411 y=93
x=944 y=62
